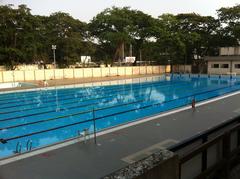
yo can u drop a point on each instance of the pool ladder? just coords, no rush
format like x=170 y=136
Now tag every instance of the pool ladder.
x=29 y=145
x=84 y=134
x=19 y=146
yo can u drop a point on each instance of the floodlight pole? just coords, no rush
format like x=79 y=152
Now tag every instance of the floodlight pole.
x=54 y=47
x=54 y=58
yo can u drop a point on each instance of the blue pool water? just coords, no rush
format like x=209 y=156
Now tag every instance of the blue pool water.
x=45 y=117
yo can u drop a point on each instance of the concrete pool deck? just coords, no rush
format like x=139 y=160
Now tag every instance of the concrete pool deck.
x=89 y=161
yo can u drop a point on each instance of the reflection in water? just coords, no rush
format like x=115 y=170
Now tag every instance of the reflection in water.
x=157 y=96
x=168 y=78
x=57 y=103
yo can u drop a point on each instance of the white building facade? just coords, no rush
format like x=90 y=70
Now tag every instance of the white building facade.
x=228 y=62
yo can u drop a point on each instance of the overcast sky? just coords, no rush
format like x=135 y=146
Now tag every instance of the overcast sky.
x=85 y=10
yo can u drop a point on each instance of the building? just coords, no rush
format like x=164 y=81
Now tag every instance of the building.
x=228 y=61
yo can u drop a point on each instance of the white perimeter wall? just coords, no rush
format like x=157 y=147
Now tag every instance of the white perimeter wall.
x=71 y=73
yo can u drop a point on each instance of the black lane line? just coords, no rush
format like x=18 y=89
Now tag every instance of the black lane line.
x=53 y=110
x=96 y=90
x=83 y=112
x=75 y=114
x=13 y=118
x=66 y=90
x=63 y=99
x=61 y=109
x=73 y=90
x=3 y=141
x=67 y=93
x=71 y=102
x=115 y=87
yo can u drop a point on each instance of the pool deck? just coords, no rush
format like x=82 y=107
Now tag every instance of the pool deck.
x=90 y=161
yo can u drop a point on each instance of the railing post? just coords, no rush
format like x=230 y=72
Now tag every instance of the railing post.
x=226 y=144
x=204 y=155
x=238 y=135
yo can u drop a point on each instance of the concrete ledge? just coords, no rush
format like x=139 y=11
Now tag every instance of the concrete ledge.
x=162 y=164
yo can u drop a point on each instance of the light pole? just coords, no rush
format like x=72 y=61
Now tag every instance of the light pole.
x=54 y=47
x=169 y=64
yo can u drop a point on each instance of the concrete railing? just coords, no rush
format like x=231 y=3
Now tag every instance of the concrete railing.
x=212 y=154
x=71 y=73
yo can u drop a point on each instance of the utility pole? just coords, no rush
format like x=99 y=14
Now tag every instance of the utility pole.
x=54 y=47
x=130 y=50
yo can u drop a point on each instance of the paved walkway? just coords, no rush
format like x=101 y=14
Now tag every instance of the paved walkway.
x=89 y=161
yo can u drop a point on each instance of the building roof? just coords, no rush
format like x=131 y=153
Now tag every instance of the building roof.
x=223 y=58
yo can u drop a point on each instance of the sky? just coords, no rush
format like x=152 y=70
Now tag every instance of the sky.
x=85 y=10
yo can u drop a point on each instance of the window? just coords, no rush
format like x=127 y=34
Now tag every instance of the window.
x=237 y=66
x=224 y=65
x=215 y=66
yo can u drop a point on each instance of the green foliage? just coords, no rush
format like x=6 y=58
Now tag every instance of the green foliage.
x=27 y=38
x=230 y=20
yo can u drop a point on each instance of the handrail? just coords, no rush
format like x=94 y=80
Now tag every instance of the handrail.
x=208 y=132
x=206 y=145
x=226 y=155
x=29 y=145
x=18 y=147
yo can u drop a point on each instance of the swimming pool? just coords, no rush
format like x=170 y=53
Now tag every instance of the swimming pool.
x=34 y=119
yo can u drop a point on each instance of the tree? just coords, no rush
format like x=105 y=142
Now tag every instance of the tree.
x=69 y=36
x=230 y=20
x=111 y=29
x=27 y=38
